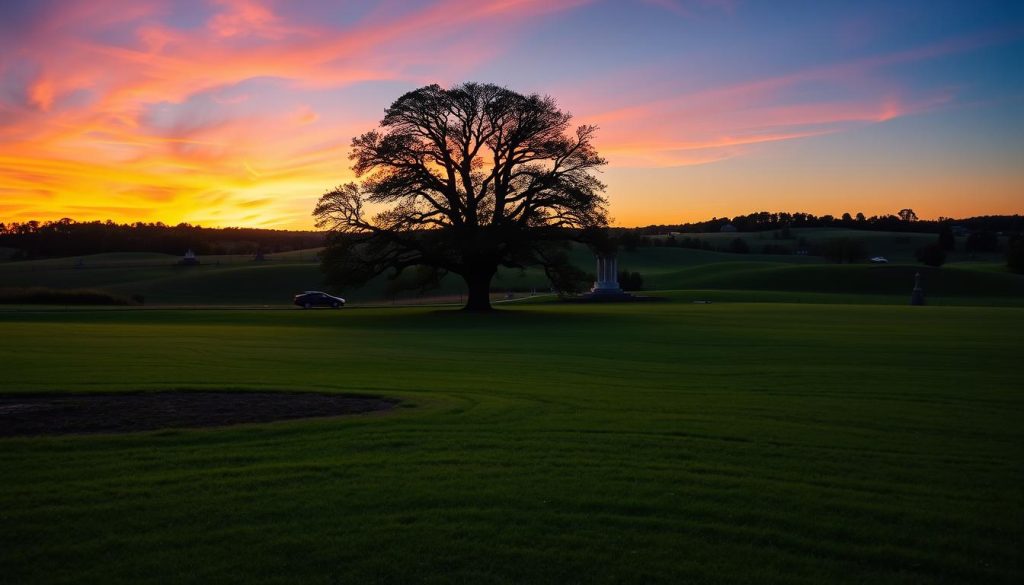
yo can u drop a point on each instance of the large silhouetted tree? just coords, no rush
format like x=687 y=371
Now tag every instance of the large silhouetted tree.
x=464 y=180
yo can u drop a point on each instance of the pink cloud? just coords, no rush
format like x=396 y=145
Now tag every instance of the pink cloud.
x=104 y=145
x=727 y=121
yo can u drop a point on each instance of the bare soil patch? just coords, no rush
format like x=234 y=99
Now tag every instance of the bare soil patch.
x=62 y=414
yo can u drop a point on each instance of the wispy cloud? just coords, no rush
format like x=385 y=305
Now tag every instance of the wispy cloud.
x=719 y=123
x=169 y=110
x=104 y=100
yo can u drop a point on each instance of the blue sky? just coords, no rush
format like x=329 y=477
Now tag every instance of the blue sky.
x=240 y=112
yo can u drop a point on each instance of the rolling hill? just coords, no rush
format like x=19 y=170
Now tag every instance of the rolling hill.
x=238 y=280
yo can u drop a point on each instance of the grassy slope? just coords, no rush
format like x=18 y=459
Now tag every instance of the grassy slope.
x=896 y=246
x=562 y=444
x=238 y=280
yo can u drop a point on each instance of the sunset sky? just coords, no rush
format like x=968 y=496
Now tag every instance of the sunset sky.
x=240 y=112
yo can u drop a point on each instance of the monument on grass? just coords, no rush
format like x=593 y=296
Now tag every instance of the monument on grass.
x=917 y=297
x=607 y=282
x=606 y=287
x=189 y=259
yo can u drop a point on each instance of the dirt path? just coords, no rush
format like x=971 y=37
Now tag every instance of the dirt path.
x=62 y=414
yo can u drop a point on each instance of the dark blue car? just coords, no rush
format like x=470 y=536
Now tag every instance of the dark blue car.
x=315 y=298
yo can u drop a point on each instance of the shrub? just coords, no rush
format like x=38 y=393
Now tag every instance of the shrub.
x=932 y=255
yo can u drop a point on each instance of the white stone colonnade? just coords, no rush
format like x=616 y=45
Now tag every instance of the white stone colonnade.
x=607 y=275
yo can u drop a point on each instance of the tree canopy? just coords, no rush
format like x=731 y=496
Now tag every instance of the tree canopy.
x=464 y=180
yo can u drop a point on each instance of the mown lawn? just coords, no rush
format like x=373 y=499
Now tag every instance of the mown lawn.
x=647 y=443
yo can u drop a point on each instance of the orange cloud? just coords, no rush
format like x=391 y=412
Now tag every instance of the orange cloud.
x=123 y=123
x=117 y=107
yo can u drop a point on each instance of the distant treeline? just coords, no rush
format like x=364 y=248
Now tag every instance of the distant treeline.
x=905 y=221
x=67 y=237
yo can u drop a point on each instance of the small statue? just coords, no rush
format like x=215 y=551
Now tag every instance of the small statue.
x=917 y=297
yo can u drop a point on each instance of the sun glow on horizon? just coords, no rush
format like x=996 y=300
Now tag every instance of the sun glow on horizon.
x=240 y=112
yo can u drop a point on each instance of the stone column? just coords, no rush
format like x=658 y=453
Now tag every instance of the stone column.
x=607 y=275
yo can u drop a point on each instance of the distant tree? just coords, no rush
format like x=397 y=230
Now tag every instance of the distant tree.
x=931 y=254
x=907 y=215
x=861 y=218
x=738 y=246
x=465 y=180
x=842 y=250
x=982 y=241
x=946 y=239
x=847 y=218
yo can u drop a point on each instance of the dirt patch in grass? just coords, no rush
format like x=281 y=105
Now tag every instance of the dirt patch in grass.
x=62 y=414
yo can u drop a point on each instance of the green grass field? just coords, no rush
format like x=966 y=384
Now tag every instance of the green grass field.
x=547 y=443
x=237 y=280
x=896 y=246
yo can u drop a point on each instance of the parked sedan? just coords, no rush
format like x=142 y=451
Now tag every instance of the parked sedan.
x=315 y=298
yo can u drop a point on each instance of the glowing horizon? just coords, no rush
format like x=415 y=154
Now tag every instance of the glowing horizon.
x=240 y=112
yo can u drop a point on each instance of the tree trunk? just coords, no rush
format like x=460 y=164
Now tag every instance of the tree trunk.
x=478 y=283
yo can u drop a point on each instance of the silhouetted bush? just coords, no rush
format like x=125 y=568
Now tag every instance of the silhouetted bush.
x=51 y=296
x=738 y=246
x=932 y=255
x=630 y=280
x=841 y=250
